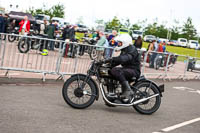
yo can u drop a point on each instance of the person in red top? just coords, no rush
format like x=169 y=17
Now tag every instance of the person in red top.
x=160 y=47
x=24 y=26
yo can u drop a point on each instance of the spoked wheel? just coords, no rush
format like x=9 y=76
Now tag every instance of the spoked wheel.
x=144 y=90
x=157 y=63
x=78 y=93
x=23 y=46
x=93 y=54
x=11 y=38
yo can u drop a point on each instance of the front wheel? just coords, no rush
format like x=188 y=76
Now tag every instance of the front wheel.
x=79 y=93
x=144 y=90
x=23 y=45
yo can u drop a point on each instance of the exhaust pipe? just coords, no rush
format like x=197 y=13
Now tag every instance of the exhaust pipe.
x=126 y=105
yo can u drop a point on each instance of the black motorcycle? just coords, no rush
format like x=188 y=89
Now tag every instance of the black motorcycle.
x=12 y=38
x=26 y=43
x=80 y=91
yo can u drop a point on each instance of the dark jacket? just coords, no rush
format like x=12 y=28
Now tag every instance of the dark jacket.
x=138 y=44
x=129 y=58
x=50 y=31
x=2 y=24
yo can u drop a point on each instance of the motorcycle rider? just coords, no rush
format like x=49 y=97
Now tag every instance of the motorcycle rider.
x=130 y=62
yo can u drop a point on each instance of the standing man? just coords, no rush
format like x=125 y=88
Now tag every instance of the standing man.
x=1 y=23
x=101 y=42
x=50 y=32
x=24 y=26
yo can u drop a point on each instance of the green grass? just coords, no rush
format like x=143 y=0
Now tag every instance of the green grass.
x=179 y=51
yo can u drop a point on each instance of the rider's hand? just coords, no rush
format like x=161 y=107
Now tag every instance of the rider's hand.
x=109 y=60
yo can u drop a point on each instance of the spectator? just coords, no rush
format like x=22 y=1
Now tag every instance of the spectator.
x=138 y=42
x=151 y=48
x=12 y=25
x=50 y=32
x=101 y=42
x=43 y=27
x=1 y=23
x=112 y=44
x=24 y=26
x=6 y=23
x=160 y=47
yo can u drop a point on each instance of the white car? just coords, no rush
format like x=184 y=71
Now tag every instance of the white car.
x=136 y=34
x=149 y=38
x=193 y=44
x=182 y=42
x=163 y=40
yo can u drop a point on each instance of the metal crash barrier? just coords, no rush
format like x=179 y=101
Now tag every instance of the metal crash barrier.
x=27 y=54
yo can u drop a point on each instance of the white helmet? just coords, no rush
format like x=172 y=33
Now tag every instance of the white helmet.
x=125 y=39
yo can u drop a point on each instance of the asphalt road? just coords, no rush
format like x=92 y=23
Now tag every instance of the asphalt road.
x=41 y=109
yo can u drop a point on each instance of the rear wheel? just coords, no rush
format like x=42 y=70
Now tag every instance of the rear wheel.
x=144 y=90
x=77 y=93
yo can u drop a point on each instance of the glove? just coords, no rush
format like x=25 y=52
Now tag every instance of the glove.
x=109 y=60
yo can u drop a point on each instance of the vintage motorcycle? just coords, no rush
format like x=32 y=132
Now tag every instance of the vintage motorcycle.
x=25 y=43
x=80 y=90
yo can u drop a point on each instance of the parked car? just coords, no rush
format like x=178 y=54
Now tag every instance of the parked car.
x=41 y=17
x=193 y=64
x=123 y=31
x=193 y=44
x=172 y=42
x=182 y=42
x=149 y=38
x=136 y=33
x=164 y=40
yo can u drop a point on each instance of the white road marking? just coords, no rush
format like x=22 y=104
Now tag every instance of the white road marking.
x=178 y=125
x=187 y=89
x=184 y=88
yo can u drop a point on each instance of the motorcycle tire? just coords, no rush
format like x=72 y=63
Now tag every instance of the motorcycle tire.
x=142 y=94
x=78 y=93
x=157 y=63
x=93 y=54
x=23 y=46
x=11 y=38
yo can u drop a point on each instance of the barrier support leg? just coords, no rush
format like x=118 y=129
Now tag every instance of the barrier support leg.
x=61 y=77
x=43 y=77
x=7 y=74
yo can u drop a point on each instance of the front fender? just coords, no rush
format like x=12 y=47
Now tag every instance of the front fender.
x=95 y=84
x=160 y=87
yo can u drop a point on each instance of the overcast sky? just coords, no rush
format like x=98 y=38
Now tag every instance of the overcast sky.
x=90 y=10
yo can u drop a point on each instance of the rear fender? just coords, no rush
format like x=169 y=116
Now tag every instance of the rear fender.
x=95 y=84
x=160 y=87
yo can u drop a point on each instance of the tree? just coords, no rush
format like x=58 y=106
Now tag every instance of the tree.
x=189 y=30
x=127 y=24
x=135 y=27
x=57 y=11
x=54 y=11
x=175 y=30
x=114 y=24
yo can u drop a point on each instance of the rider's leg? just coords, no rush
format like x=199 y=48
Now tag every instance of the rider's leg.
x=123 y=74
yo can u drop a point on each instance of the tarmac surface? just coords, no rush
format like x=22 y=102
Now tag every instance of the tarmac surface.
x=30 y=106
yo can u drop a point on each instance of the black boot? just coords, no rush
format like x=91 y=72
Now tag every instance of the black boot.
x=126 y=91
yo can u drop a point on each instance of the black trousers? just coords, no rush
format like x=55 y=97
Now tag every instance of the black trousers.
x=124 y=74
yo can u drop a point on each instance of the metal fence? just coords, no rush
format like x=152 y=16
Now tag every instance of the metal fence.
x=23 y=53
